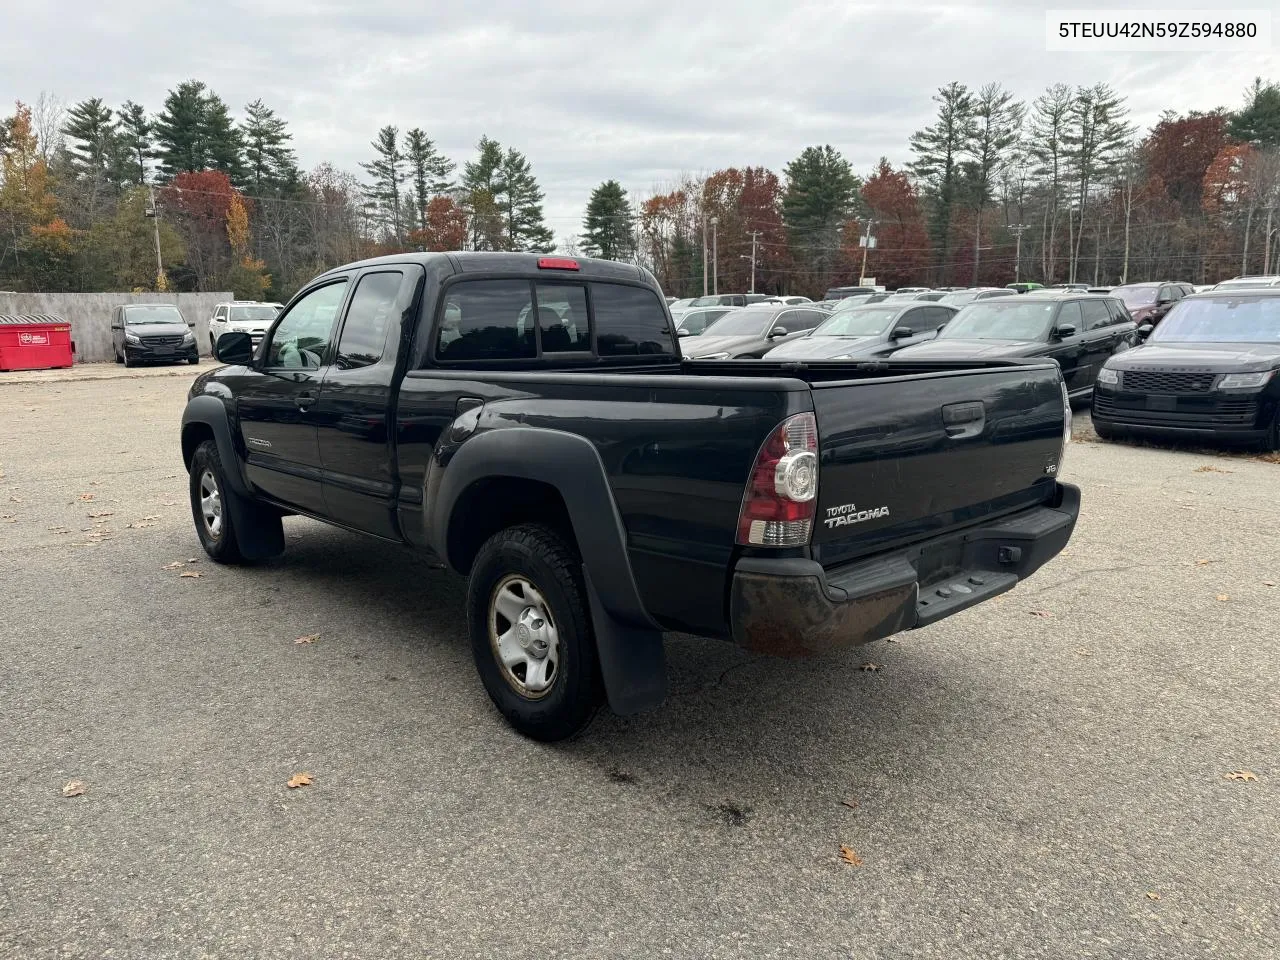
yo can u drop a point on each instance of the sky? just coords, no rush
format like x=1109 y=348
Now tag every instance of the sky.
x=635 y=90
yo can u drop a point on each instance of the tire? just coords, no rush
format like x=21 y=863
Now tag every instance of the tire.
x=218 y=538
x=1103 y=432
x=119 y=359
x=193 y=360
x=535 y=566
x=1272 y=443
x=128 y=361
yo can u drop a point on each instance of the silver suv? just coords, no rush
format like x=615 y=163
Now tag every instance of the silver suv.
x=247 y=316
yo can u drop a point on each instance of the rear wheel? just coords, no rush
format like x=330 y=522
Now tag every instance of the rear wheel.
x=531 y=632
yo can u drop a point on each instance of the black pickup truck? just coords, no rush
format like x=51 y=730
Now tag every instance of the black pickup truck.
x=530 y=423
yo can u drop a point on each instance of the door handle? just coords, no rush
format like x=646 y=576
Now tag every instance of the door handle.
x=304 y=400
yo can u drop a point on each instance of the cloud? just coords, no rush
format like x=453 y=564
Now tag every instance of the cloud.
x=636 y=90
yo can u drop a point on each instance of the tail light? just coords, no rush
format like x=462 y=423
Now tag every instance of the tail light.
x=782 y=490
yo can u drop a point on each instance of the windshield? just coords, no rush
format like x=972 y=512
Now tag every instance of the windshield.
x=959 y=299
x=1237 y=319
x=862 y=321
x=744 y=322
x=257 y=311
x=1136 y=296
x=1000 y=319
x=153 y=313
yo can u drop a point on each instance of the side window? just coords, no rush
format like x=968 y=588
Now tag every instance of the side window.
x=1095 y=314
x=917 y=321
x=629 y=321
x=220 y=314
x=696 y=322
x=364 y=332
x=1118 y=312
x=562 y=315
x=805 y=319
x=302 y=338
x=487 y=320
x=1069 y=313
x=1165 y=293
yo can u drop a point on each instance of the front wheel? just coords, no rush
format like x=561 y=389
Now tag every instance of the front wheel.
x=1103 y=431
x=128 y=360
x=531 y=632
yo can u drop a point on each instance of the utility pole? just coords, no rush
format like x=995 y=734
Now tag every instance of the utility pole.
x=153 y=212
x=1266 y=254
x=704 y=254
x=1016 y=229
x=754 y=234
x=715 y=256
x=867 y=241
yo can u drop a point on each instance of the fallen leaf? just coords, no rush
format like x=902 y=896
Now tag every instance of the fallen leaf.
x=299 y=780
x=849 y=857
x=102 y=513
x=1083 y=652
x=1245 y=776
x=1223 y=598
x=95 y=483
x=15 y=500
x=190 y=573
x=1268 y=583
x=73 y=788
x=851 y=804
x=871 y=667
x=1040 y=613
x=1212 y=470
x=86 y=497
x=138 y=525
x=309 y=638
x=176 y=565
x=1204 y=563
x=151 y=518
x=193 y=560
x=1152 y=895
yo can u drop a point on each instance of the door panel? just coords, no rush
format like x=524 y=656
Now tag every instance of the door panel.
x=1070 y=351
x=274 y=403
x=352 y=414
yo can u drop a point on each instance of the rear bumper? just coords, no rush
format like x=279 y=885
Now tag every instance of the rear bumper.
x=794 y=607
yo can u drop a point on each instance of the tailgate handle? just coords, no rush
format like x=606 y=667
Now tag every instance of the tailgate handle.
x=964 y=419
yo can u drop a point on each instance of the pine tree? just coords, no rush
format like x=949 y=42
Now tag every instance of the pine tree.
x=133 y=143
x=521 y=202
x=938 y=149
x=997 y=121
x=1259 y=122
x=1047 y=146
x=821 y=193
x=91 y=130
x=180 y=130
x=608 y=230
x=428 y=170
x=269 y=160
x=224 y=143
x=1096 y=136
x=482 y=186
x=387 y=171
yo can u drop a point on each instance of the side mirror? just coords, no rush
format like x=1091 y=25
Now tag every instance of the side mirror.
x=234 y=348
x=682 y=332
x=116 y=326
x=191 y=324
x=777 y=332
x=1144 y=331
x=1065 y=330
x=1164 y=301
x=902 y=333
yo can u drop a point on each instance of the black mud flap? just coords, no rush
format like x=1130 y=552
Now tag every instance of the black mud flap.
x=633 y=662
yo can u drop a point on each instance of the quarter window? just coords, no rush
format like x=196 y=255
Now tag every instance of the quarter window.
x=302 y=338
x=364 y=333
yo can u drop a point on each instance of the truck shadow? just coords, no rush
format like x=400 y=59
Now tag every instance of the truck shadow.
x=734 y=726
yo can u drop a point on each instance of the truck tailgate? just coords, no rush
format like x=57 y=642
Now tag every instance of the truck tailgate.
x=903 y=458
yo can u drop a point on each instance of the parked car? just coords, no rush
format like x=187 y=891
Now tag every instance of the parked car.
x=684 y=304
x=152 y=333
x=961 y=297
x=795 y=512
x=1203 y=287
x=787 y=301
x=1079 y=331
x=244 y=316
x=1077 y=287
x=841 y=293
x=1024 y=286
x=694 y=322
x=1238 y=283
x=1148 y=302
x=913 y=290
x=751 y=332
x=728 y=299
x=1208 y=371
x=867 y=331
x=1099 y=290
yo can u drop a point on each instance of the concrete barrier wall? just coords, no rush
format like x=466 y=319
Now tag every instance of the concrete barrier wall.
x=90 y=315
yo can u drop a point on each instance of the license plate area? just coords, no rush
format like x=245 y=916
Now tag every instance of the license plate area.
x=1157 y=402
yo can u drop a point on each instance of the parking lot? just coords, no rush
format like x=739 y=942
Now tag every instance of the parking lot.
x=1046 y=775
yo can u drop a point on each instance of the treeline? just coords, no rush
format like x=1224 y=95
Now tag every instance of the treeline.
x=95 y=197
x=1063 y=188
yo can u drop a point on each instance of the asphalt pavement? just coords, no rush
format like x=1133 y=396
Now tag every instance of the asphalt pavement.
x=1046 y=775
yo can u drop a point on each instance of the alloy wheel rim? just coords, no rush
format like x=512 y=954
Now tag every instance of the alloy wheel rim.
x=523 y=637
x=211 y=504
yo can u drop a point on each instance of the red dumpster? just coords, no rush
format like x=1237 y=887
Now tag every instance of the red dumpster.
x=34 y=342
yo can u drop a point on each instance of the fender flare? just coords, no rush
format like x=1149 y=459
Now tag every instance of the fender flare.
x=629 y=642
x=212 y=413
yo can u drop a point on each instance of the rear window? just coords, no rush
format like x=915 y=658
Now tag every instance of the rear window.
x=629 y=321
x=482 y=320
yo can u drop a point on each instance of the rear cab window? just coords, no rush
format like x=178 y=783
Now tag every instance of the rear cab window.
x=576 y=321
